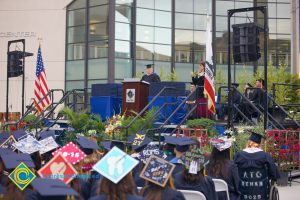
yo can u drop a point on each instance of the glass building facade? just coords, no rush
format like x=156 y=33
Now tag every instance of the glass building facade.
x=109 y=40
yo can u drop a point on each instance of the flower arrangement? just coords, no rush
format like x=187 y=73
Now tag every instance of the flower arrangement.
x=113 y=123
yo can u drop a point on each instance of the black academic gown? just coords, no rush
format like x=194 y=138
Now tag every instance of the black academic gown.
x=167 y=194
x=93 y=184
x=257 y=159
x=207 y=186
x=179 y=167
x=136 y=175
x=151 y=78
x=128 y=197
x=232 y=182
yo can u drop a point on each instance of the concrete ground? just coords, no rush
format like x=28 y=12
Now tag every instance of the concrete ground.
x=290 y=192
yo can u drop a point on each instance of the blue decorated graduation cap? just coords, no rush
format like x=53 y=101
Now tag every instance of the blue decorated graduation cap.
x=115 y=165
x=86 y=145
x=45 y=134
x=52 y=188
x=2 y=190
x=182 y=144
x=19 y=134
x=255 y=137
x=4 y=136
x=11 y=161
x=108 y=145
x=150 y=150
x=138 y=141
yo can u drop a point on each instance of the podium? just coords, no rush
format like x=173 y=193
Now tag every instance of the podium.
x=135 y=95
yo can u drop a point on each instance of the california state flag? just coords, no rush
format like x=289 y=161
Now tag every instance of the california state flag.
x=209 y=80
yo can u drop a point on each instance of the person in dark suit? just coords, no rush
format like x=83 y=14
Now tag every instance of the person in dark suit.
x=150 y=76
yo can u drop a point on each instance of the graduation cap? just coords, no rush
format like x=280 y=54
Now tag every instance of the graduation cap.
x=45 y=134
x=138 y=141
x=11 y=161
x=4 y=136
x=4 y=151
x=18 y=134
x=235 y=84
x=86 y=145
x=52 y=188
x=255 y=137
x=150 y=150
x=221 y=143
x=108 y=145
x=182 y=144
x=194 y=160
x=149 y=66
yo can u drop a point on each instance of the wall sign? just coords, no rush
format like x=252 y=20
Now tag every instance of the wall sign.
x=130 y=95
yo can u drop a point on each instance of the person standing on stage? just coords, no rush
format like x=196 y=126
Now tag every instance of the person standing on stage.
x=150 y=76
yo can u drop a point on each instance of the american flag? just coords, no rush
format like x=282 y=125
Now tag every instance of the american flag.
x=40 y=84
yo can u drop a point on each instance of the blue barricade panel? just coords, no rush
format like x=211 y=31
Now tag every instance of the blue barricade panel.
x=106 y=106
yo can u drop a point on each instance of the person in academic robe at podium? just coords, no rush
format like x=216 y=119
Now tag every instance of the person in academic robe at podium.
x=150 y=76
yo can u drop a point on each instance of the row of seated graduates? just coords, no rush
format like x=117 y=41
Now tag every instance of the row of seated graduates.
x=219 y=167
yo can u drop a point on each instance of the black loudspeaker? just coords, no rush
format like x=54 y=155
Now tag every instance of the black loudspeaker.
x=246 y=42
x=15 y=63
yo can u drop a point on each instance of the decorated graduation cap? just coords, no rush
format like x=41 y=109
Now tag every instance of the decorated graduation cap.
x=221 y=143
x=52 y=188
x=149 y=66
x=28 y=145
x=138 y=141
x=11 y=161
x=194 y=160
x=86 y=145
x=157 y=170
x=45 y=134
x=150 y=150
x=182 y=144
x=115 y=165
x=108 y=145
x=19 y=134
x=255 y=137
x=4 y=136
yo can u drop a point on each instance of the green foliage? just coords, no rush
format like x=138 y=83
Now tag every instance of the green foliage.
x=167 y=76
x=29 y=120
x=203 y=123
x=148 y=117
x=139 y=74
x=241 y=139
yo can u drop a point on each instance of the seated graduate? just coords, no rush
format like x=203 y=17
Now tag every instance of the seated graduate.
x=48 y=189
x=221 y=167
x=117 y=182
x=150 y=76
x=182 y=145
x=138 y=143
x=254 y=157
x=159 y=182
x=192 y=178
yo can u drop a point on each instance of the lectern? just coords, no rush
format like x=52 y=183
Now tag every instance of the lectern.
x=135 y=95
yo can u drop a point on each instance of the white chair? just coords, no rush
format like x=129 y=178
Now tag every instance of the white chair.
x=192 y=195
x=221 y=186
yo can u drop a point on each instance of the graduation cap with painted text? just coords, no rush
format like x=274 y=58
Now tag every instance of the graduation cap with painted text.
x=194 y=160
x=221 y=143
x=86 y=145
x=138 y=141
x=52 y=189
x=11 y=161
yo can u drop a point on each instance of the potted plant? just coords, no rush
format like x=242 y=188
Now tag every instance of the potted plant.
x=203 y=123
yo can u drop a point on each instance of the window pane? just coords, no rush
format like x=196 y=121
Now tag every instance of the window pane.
x=125 y=2
x=76 y=51
x=140 y=66
x=76 y=34
x=70 y=85
x=122 y=49
x=99 y=14
x=77 y=4
x=144 y=51
x=184 y=6
x=123 y=31
x=183 y=21
x=145 y=3
x=75 y=70
x=271 y=9
x=123 y=14
x=98 y=49
x=145 y=34
x=76 y=17
x=223 y=6
x=98 y=2
x=162 y=52
x=145 y=16
x=123 y=68
x=283 y=10
x=200 y=22
x=163 y=5
x=183 y=71
x=163 y=35
x=284 y=26
x=200 y=6
x=162 y=19
x=98 y=32
x=97 y=69
x=183 y=37
x=221 y=23
x=91 y=82
x=183 y=54
x=163 y=69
